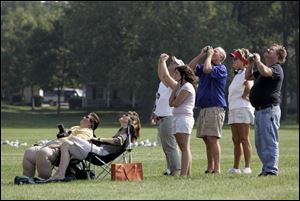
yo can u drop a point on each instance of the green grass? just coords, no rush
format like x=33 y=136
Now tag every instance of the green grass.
x=27 y=126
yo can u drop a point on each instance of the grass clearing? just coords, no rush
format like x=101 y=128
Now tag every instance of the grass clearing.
x=30 y=127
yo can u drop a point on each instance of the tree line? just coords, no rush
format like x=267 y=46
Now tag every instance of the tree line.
x=117 y=44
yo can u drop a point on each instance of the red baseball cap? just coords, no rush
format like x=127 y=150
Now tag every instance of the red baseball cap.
x=237 y=54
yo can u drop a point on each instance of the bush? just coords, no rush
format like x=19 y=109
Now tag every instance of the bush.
x=75 y=102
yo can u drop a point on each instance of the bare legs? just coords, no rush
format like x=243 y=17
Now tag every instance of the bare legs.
x=29 y=162
x=213 y=152
x=183 y=141
x=64 y=161
x=240 y=138
x=40 y=159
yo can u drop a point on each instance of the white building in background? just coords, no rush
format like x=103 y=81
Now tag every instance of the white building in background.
x=27 y=93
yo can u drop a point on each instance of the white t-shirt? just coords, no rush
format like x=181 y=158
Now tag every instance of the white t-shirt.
x=236 y=90
x=186 y=108
x=162 y=101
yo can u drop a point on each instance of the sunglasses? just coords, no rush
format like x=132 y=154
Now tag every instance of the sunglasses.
x=89 y=118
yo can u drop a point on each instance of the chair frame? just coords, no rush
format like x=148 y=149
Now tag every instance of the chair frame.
x=106 y=166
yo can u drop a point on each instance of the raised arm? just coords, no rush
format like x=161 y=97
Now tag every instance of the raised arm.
x=197 y=59
x=163 y=72
x=249 y=72
x=207 y=64
x=264 y=70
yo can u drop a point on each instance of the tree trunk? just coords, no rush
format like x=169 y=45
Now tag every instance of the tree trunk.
x=32 y=99
x=285 y=66
x=108 y=97
x=133 y=100
x=58 y=99
x=297 y=71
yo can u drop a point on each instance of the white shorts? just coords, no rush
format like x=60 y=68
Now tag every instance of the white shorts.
x=183 y=124
x=241 y=115
x=81 y=148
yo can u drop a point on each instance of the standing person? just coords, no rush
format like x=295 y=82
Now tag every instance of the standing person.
x=265 y=98
x=162 y=116
x=241 y=112
x=182 y=99
x=211 y=100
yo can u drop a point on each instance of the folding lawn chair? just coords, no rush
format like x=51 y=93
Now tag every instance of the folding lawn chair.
x=105 y=162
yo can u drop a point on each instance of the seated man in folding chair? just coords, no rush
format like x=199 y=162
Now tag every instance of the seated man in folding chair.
x=76 y=148
x=42 y=158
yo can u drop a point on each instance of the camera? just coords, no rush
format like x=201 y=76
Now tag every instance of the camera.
x=62 y=132
x=251 y=57
x=207 y=48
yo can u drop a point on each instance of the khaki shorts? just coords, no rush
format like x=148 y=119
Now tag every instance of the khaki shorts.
x=210 y=122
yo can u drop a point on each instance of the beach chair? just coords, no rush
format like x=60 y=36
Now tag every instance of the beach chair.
x=104 y=162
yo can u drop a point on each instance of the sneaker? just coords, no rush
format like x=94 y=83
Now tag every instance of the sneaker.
x=234 y=171
x=167 y=172
x=247 y=170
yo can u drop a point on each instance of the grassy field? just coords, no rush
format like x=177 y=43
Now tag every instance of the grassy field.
x=27 y=126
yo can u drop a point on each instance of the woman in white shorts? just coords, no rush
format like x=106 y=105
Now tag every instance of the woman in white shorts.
x=241 y=112
x=183 y=101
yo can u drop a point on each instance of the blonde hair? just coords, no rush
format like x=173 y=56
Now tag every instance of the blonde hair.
x=245 y=54
x=281 y=52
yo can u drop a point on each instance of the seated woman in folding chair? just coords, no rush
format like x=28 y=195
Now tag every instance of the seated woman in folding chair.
x=43 y=157
x=76 y=148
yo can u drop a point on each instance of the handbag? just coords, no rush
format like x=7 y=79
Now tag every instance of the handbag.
x=126 y=171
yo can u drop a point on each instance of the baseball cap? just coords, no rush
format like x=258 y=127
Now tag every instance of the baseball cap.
x=178 y=61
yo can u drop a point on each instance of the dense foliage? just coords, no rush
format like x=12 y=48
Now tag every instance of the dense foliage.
x=117 y=44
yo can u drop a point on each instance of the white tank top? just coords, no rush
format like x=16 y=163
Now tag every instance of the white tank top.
x=236 y=90
x=162 y=101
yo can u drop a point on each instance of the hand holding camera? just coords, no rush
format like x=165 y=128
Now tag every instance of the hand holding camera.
x=62 y=133
x=253 y=57
x=207 y=48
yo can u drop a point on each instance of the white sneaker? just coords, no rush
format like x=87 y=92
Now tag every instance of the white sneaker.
x=234 y=171
x=247 y=170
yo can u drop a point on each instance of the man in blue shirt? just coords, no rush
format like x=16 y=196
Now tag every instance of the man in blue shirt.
x=211 y=100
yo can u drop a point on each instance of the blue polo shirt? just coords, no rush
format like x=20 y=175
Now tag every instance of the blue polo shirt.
x=211 y=88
